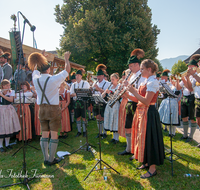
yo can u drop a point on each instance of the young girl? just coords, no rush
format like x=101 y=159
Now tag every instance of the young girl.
x=147 y=139
x=26 y=97
x=64 y=103
x=111 y=114
x=9 y=122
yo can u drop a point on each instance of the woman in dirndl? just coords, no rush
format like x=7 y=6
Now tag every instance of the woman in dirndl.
x=147 y=139
x=111 y=114
x=9 y=122
x=64 y=103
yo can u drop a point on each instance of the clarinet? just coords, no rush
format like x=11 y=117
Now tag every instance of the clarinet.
x=111 y=104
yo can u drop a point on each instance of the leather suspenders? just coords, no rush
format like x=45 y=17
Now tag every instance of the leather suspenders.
x=43 y=90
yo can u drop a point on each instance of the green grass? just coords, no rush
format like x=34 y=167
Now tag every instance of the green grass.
x=73 y=169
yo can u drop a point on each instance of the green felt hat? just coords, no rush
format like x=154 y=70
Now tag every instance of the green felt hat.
x=158 y=75
x=44 y=67
x=193 y=62
x=72 y=77
x=79 y=72
x=100 y=72
x=133 y=59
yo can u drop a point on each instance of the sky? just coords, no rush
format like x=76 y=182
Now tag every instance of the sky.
x=178 y=21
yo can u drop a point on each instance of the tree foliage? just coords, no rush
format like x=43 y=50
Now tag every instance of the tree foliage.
x=179 y=67
x=106 y=31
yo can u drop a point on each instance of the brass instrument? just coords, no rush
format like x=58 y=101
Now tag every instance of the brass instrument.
x=89 y=75
x=111 y=104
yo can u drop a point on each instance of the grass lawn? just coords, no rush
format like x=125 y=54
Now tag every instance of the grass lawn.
x=73 y=169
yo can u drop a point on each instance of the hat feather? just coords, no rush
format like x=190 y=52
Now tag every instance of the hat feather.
x=101 y=66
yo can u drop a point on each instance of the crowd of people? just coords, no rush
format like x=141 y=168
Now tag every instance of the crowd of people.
x=140 y=105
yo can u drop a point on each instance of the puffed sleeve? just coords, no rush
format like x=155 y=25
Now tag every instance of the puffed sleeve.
x=153 y=86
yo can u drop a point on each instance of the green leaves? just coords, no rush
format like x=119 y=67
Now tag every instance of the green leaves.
x=179 y=67
x=106 y=31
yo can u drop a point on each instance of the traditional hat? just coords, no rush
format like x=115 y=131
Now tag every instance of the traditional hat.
x=158 y=74
x=39 y=60
x=73 y=75
x=101 y=69
x=80 y=72
x=196 y=57
x=6 y=55
x=193 y=62
x=136 y=55
x=165 y=72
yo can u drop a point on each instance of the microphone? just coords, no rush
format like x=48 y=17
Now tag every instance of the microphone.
x=26 y=20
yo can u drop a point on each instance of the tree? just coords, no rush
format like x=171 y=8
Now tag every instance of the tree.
x=179 y=67
x=106 y=31
x=160 y=67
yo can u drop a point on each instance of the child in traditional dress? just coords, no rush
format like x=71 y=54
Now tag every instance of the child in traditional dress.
x=64 y=103
x=9 y=122
x=111 y=114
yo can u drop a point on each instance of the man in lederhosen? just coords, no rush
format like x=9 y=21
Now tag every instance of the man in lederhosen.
x=78 y=104
x=187 y=102
x=101 y=85
x=47 y=88
x=134 y=66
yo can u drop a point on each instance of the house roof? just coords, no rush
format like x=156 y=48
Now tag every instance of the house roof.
x=188 y=59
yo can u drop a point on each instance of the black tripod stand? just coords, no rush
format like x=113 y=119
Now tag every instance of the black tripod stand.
x=99 y=101
x=84 y=95
x=170 y=152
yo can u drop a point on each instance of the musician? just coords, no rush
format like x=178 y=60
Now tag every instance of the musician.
x=187 y=103
x=64 y=103
x=79 y=105
x=9 y=122
x=111 y=114
x=100 y=86
x=26 y=98
x=134 y=66
x=48 y=99
x=169 y=106
x=7 y=68
x=147 y=140
x=158 y=75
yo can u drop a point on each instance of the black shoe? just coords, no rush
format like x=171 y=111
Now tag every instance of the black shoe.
x=89 y=119
x=104 y=136
x=60 y=137
x=171 y=135
x=9 y=147
x=132 y=158
x=65 y=136
x=2 y=149
x=115 y=142
x=189 y=139
x=183 y=138
x=112 y=141
x=142 y=167
x=84 y=134
x=97 y=136
x=55 y=161
x=124 y=153
x=150 y=175
x=93 y=119
x=46 y=163
x=78 y=134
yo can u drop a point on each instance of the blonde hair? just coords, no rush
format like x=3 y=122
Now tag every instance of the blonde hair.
x=4 y=82
x=116 y=75
x=148 y=63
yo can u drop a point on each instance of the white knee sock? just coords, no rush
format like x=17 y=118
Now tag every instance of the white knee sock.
x=116 y=136
x=7 y=141
x=1 y=142
x=128 y=141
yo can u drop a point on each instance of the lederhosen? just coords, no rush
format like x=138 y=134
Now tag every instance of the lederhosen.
x=102 y=108
x=79 y=107
x=130 y=110
x=188 y=106
x=49 y=115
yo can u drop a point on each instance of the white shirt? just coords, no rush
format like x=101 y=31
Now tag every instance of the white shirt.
x=186 y=92
x=52 y=88
x=79 y=85
x=101 y=85
x=137 y=82
x=152 y=84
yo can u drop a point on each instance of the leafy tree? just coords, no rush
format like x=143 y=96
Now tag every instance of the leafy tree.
x=179 y=67
x=106 y=31
x=160 y=67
